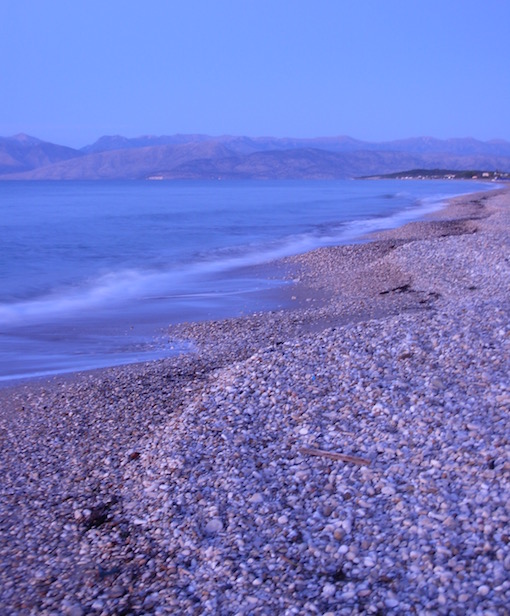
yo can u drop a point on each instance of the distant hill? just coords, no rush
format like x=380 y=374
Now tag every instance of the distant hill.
x=238 y=145
x=459 y=147
x=231 y=157
x=124 y=164
x=117 y=142
x=245 y=145
x=23 y=153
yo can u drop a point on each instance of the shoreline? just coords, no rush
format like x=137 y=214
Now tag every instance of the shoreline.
x=187 y=483
x=287 y=297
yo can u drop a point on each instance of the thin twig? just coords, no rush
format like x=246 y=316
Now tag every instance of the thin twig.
x=335 y=456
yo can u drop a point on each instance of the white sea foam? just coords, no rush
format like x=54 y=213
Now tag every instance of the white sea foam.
x=186 y=281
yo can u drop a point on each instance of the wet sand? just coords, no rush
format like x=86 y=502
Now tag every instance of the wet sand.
x=218 y=483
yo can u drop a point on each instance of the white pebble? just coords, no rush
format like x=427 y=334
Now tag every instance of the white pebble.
x=328 y=590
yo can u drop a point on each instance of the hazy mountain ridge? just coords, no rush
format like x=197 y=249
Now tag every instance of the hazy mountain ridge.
x=117 y=142
x=23 y=153
x=205 y=157
x=334 y=144
x=319 y=164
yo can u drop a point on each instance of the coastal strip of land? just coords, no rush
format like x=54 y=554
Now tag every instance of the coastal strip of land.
x=350 y=455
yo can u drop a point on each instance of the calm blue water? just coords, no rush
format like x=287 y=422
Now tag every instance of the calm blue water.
x=90 y=273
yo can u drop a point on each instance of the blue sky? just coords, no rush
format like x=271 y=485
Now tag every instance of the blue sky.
x=73 y=70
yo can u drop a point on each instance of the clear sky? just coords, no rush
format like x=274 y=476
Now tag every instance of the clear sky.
x=73 y=70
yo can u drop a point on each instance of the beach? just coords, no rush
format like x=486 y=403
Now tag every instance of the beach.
x=350 y=455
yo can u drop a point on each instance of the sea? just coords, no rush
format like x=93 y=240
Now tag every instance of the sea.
x=92 y=273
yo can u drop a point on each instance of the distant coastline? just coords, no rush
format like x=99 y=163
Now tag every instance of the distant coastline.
x=443 y=174
x=204 y=157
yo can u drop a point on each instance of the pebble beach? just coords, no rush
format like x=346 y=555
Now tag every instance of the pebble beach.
x=347 y=455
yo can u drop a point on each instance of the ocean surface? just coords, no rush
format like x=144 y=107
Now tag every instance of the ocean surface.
x=92 y=272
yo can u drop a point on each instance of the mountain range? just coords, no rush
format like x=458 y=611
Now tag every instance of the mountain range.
x=229 y=157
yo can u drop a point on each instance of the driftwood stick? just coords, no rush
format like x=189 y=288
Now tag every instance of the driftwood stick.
x=335 y=456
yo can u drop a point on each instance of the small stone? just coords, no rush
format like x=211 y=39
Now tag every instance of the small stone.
x=506 y=563
x=391 y=602
x=117 y=591
x=139 y=521
x=388 y=490
x=328 y=590
x=347 y=526
x=283 y=519
x=150 y=601
x=256 y=498
x=214 y=526
x=436 y=383
x=483 y=590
